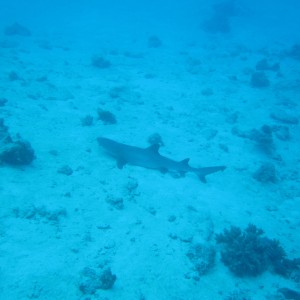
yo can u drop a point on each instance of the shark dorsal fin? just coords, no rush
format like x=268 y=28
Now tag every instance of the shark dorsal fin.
x=153 y=148
x=185 y=161
x=121 y=163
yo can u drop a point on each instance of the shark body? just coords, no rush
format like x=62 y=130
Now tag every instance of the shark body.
x=150 y=158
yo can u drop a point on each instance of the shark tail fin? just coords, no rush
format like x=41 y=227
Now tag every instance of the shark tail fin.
x=202 y=172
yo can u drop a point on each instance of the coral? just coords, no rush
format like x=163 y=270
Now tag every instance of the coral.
x=202 y=257
x=266 y=173
x=106 y=117
x=249 y=253
x=259 y=80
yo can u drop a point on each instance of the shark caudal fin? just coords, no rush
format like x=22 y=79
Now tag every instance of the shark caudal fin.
x=202 y=172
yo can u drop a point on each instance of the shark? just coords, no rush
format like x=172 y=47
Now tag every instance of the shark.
x=150 y=158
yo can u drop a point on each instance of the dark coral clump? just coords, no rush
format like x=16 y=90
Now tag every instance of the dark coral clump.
x=95 y=281
x=106 y=117
x=15 y=153
x=250 y=253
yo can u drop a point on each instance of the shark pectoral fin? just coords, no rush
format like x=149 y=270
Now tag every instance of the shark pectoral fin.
x=163 y=170
x=121 y=163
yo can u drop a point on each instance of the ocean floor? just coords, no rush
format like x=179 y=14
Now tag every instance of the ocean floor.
x=74 y=226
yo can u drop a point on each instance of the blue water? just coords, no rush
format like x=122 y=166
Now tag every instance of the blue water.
x=213 y=81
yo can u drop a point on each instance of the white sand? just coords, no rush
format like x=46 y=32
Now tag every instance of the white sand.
x=44 y=259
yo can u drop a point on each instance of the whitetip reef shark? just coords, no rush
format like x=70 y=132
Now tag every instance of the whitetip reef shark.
x=151 y=159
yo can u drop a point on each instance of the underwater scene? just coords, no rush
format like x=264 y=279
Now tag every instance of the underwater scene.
x=150 y=150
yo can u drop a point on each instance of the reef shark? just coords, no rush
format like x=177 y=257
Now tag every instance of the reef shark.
x=151 y=159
